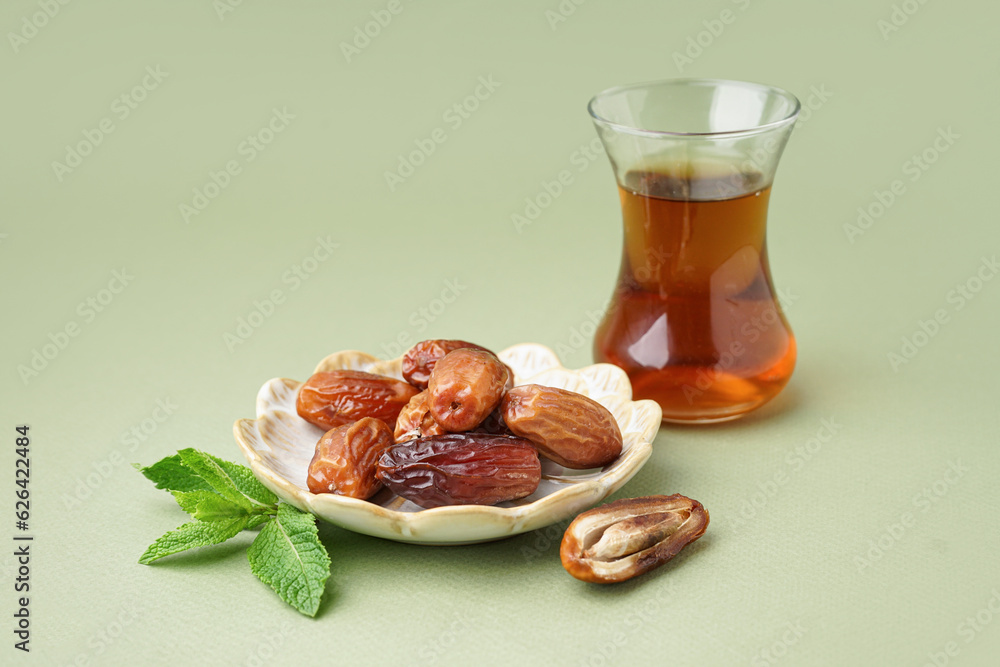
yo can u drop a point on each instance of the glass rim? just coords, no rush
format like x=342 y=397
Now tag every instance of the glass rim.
x=756 y=129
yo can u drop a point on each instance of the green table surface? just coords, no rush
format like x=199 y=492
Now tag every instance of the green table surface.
x=855 y=519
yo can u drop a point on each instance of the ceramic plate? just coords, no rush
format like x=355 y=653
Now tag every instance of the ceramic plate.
x=279 y=445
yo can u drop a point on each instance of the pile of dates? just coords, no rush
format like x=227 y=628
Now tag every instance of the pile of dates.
x=455 y=432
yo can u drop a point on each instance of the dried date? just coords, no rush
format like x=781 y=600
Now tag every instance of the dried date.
x=630 y=537
x=415 y=420
x=571 y=429
x=461 y=469
x=419 y=360
x=465 y=386
x=346 y=459
x=336 y=398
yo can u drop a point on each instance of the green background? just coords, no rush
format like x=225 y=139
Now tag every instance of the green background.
x=776 y=580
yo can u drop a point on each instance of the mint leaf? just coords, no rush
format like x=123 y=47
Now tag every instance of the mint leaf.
x=288 y=556
x=207 y=506
x=188 y=500
x=191 y=535
x=192 y=470
x=170 y=474
x=245 y=481
x=216 y=477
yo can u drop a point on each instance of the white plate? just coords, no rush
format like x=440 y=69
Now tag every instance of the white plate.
x=279 y=445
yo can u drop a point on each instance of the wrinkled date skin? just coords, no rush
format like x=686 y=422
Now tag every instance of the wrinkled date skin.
x=630 y=537
x=461 y=469
x=569 y=428
x=336 y=398
x=415 y=420
x=465 y=387
x=419 y=360
x=346 y=459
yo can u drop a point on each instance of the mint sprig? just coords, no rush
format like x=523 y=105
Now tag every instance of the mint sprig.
x=224 y=499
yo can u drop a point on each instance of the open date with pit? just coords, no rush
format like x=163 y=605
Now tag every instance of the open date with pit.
x=22 y=541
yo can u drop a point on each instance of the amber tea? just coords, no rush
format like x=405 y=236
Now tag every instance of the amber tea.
x=694 y=319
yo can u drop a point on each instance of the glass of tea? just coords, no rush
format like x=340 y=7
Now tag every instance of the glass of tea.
x=694 y=319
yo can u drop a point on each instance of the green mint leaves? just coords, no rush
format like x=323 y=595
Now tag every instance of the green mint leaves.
x=170 y=474
x=288 y=556
x=191 y=535
x=224 y=499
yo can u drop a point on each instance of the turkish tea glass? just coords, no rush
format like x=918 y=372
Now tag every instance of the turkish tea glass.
x=694 y=319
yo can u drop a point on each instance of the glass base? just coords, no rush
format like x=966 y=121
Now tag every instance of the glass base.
x=706 y=420
x=687 y=397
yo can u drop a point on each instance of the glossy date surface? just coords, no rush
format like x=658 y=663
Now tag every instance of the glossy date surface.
x=461 y=469
x=419 y=360
x=569 y=428
x=415 y=420
x=336 y=398
x=346 y=458
x=465 y=387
